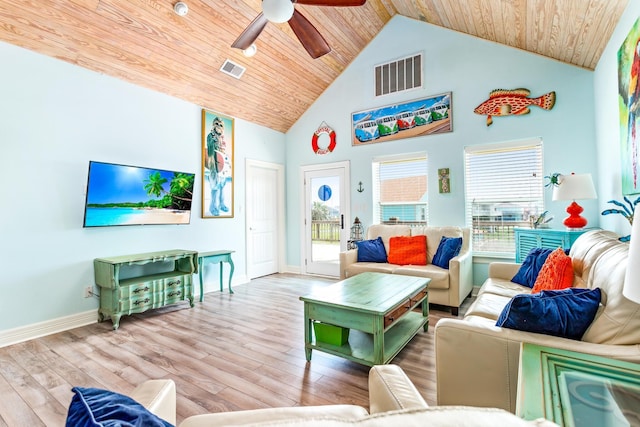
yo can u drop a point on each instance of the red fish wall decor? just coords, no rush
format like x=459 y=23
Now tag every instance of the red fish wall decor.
x=516 y=102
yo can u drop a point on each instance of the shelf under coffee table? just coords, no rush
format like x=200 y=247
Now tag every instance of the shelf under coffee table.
x=378 y=310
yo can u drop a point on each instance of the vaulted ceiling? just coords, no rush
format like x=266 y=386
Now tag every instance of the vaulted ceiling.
x=144 y=42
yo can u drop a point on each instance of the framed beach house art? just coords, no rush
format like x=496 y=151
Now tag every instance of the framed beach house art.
x=420 y=117
x=217 y=165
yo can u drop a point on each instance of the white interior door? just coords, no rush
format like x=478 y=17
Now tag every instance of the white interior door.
x=265 y=213
x=326 y=217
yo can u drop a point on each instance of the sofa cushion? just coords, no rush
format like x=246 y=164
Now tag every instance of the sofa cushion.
x=371 y=251
x=563 y=313
x=405 y=250
x=503 y=287
x=488 y=305
x=363 y=267
x=439 y=277
x=448 y=248
x=556 y=273
x=97 y=407
x=528 y=272
x=618 y=321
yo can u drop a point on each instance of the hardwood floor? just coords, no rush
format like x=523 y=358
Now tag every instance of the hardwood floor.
x=231 y=352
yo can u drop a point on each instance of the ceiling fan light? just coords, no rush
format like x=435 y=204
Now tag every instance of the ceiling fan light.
x=277 y=11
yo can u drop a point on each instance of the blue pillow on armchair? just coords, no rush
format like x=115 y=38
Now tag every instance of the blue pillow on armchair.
x=528 y=272
x=448 y=248
x=94 y=407
x=566 y=313
x=372 y=251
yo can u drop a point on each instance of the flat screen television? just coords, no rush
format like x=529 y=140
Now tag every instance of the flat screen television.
x=133 y=195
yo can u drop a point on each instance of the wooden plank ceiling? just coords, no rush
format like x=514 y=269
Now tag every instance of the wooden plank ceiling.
x=144 y=42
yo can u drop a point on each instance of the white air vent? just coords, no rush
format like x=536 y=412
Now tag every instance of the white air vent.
x=233 y=69
x=398 y=76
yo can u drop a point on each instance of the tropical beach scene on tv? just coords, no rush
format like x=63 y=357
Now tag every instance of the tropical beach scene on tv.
x=131 y=195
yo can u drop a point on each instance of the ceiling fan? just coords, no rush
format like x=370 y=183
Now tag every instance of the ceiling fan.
x=279 y=11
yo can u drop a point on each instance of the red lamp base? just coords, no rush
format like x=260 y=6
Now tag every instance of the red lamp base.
x=574 y=220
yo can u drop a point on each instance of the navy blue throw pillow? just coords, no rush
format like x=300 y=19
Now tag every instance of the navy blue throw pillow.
x=448 y=248
x=563 y=313
x=371 y=251
x=528 y=272
x=94 y=407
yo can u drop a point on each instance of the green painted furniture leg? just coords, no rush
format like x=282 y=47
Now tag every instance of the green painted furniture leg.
x=221 y=256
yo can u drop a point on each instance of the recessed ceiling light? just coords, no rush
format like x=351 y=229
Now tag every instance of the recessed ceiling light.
x=181 y=8
x=250 y=51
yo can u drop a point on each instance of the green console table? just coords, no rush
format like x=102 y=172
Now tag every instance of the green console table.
x=136 y=283
x=220 y=256
x=577 y=389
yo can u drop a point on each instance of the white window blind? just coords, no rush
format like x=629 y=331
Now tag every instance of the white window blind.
x=503 y=189
x=400 y=189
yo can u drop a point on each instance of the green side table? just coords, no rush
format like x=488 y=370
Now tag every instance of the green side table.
x=577 y=389
x=220 y=256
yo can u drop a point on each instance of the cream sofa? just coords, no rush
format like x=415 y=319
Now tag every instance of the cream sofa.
x=477 y=362
x=394 y=400
x=447 y=287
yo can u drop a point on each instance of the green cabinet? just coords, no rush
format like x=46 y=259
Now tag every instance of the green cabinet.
x=136 y=283
x=529 y=238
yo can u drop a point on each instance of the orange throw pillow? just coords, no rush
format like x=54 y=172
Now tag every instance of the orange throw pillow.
x=556 y=273
x=405 y=250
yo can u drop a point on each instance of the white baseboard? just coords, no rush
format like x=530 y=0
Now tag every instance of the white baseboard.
x=48 y=327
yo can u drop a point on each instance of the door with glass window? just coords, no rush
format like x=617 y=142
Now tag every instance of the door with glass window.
x=326 y=216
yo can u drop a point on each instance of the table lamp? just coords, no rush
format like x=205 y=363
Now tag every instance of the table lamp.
x=631 y=287
x=574 y=187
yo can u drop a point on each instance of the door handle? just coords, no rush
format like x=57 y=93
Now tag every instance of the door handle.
x=342 y=221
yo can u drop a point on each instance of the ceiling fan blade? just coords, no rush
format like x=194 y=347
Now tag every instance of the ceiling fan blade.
x=308 y=35
x=334 y=3
x=251 y=33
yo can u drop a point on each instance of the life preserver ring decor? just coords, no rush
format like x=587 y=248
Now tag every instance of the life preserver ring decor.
x=323 y=129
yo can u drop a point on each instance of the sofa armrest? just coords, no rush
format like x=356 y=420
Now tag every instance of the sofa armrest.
x=159 y=397
x=346 y=259
x=460 y=278
x=477 y=363
x=503 y=270
x=390 y=389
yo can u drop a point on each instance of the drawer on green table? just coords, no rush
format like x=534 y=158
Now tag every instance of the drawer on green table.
x=176 y=281
x=139 y=303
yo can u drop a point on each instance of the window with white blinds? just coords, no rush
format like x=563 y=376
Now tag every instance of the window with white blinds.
x=400 y=189
x=503 y=189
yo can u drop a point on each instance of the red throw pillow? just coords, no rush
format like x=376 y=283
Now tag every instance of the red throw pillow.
x=405 y=250
x=556 y=273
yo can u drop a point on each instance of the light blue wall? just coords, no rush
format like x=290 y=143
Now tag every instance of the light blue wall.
x=54 y=118
x=470 y=68
x=608 y=122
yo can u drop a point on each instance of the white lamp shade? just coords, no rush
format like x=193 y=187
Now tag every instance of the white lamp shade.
x=277 y=11
x=631 y=289
x=574 y=187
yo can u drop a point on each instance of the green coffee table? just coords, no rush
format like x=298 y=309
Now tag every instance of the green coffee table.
x=378 y=310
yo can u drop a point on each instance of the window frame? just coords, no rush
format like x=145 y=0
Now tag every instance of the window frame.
x=376 y=186
x=504 y=245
